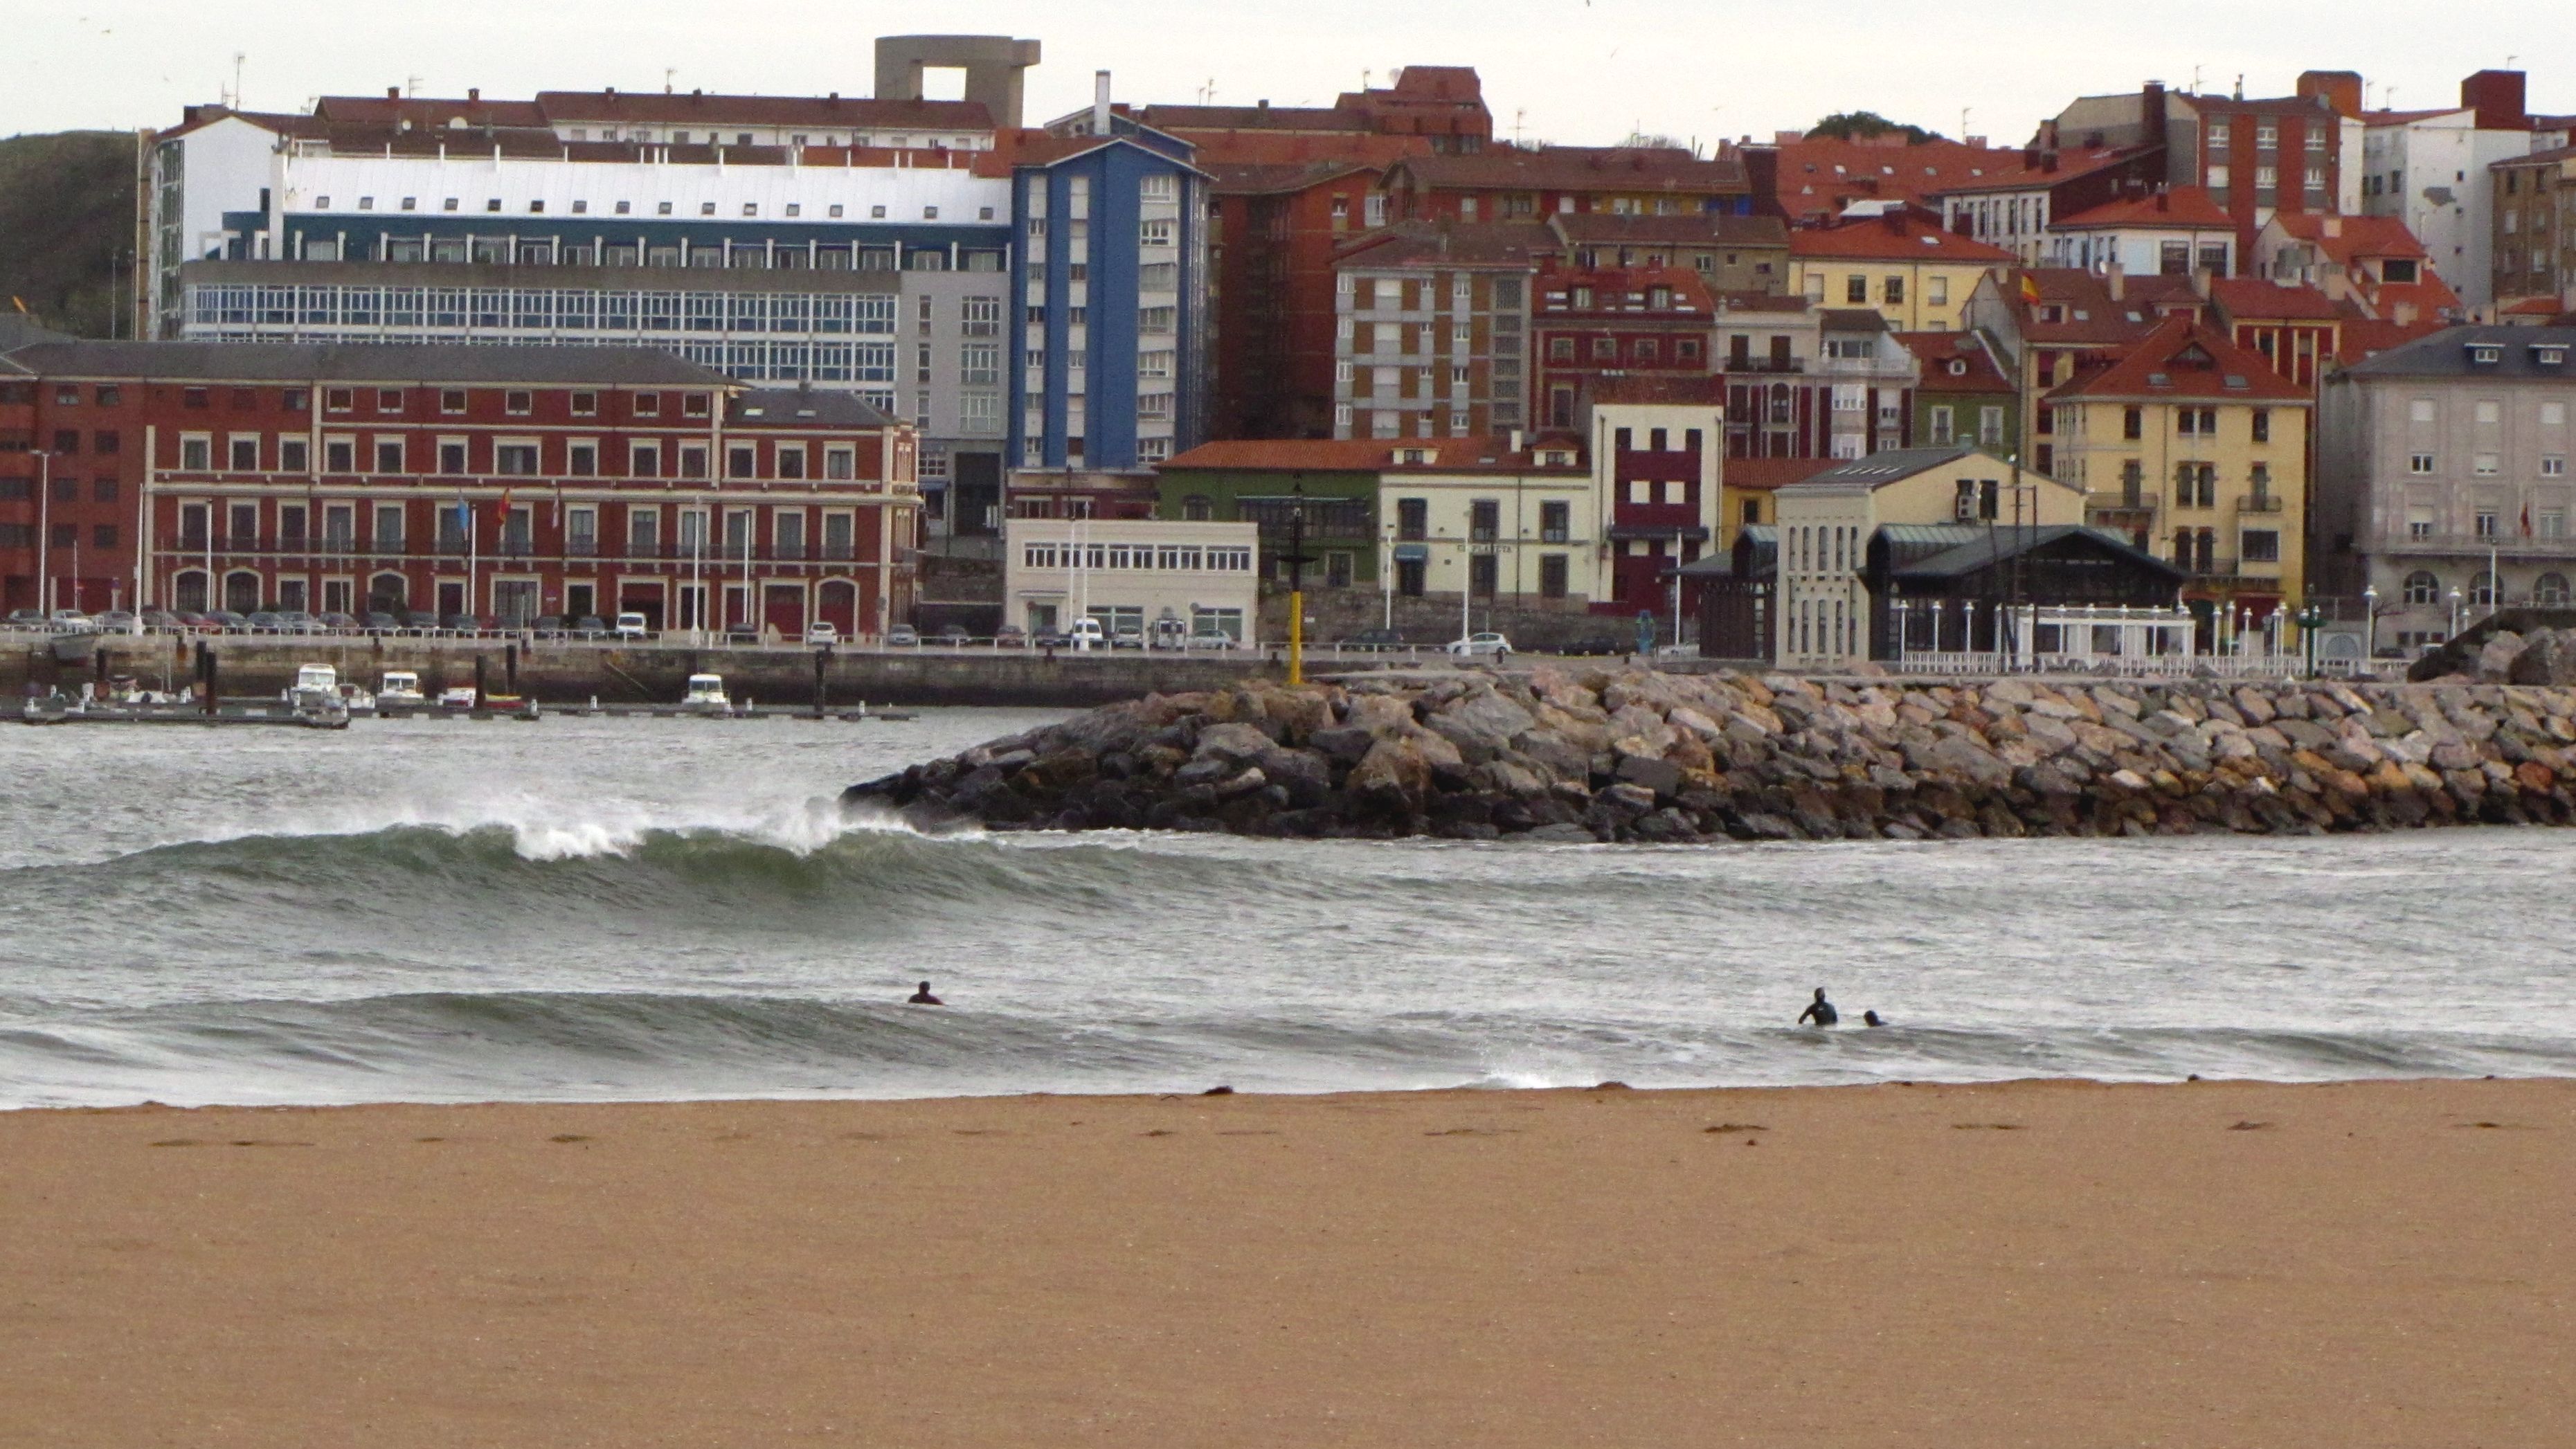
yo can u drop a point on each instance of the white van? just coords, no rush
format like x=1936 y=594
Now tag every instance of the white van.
x=1085 y=633
x=631 y=626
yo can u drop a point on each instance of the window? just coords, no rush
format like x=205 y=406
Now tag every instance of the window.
x=245 y=455
x=581 y=460
x=742 y=461
x=2132 y=422
x=2486 y=523
x=389 y=455
x=1894 y=291
x=2419 y=463
x=1551 y=575
x=2553 y=465
x=452 y=400
x=293 y=455
x=2422 y=588
x=1155 y=233
x=1856 y=290
x=516 y=459
x=2261 y=545
x=2486 y=465
x=339 y=455
x=1413 y=519
x=1940 y=424
x=519 y=403
x=338 y=399
x=1554 y=519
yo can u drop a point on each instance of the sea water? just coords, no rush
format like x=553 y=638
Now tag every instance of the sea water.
x=604 y=909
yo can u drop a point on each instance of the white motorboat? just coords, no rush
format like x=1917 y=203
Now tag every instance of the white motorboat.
x=316 y=691
x=706 y=695
x=400 y=690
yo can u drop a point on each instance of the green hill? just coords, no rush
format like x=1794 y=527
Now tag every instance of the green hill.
x=66 y=227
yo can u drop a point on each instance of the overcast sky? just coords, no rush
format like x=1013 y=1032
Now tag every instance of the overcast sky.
x=1576 y=71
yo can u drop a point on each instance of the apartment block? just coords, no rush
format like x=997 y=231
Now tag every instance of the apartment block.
x=1433 y=330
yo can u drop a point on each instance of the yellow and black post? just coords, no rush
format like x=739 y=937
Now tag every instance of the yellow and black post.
x=1295 y=558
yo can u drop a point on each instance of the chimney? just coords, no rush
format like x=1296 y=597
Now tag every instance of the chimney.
x=2497 y=97
x=1516 y=440
x=2151 y=114
x=393 y=93
x=1100 y=103
x=2334 y=226
x=2338 y=91
x=473 y=93
x=2116 y=278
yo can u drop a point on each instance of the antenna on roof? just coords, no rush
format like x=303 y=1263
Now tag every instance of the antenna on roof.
x=411 y=85
x=669 y=73
x=235 y=102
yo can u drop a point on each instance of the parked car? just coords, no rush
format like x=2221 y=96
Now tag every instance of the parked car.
x=1211 y=637
x=420 y=622
x=380 y=622
x=161 y=619
x=297 y=621
x=226 y=621
x=1086 y=634
x=1050 y=638
x=1127 y=636
x=547 y=626
x=1010 y=636
x=459 y=623
x=26 y=618
x=339 y=623
x=1476 y=646
x=822 y=635
x=590 y=626
x=73 y=621
x=631 y=626
x=114 y=621
x=1169 y=633
x=1374 y=640
x=742 y=631
x=903 y=636
x=953 y=637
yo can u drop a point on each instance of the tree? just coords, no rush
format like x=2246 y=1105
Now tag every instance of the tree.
x=1860 y=125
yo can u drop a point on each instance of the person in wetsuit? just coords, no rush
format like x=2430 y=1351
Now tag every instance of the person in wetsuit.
x=923 y=997
x=1820 y=1009
x=1871 y=1018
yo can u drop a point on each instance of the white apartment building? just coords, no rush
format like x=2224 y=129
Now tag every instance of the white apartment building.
x=1145 y=575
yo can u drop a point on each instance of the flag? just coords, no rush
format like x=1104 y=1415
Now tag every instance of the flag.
x=2029 y=287
x=2526 y=520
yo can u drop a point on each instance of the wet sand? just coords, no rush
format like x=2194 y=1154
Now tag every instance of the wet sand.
x=2044 y=1264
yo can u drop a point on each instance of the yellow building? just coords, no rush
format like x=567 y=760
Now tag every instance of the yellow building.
x=1478 y=519
x=1909 y=270
x=1829 y=523
x=2196 y=449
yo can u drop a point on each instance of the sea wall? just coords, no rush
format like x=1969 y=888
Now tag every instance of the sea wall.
x=1630 y=755
x=567 y=672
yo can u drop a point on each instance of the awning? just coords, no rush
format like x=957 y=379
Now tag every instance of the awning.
x=1417 y=552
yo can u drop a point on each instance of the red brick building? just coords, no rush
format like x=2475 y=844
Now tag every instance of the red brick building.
x=499 y=481
x=1814 y=179
x=1597 y=323
x=1508 y=184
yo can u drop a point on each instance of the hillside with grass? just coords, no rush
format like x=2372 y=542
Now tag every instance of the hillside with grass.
x=66 y=226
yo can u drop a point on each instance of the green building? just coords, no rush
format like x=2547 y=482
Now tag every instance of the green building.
x=1965 y=395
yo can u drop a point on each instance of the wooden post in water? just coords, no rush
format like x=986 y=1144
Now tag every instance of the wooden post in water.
x=481 y=664
x=819 y=656
x=208 y=670
x=510 y=663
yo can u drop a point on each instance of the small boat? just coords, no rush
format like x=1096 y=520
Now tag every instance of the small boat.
x=706 y=695
x=316 y=692
x=400 y=690
x=355 y=698
x=456 y=696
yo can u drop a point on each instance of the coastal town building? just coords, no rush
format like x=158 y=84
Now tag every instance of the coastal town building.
x=1152 y=581
x=1510 y=183
x=2534 y=230
x=502 y=482
x=2175 y=231
x=1658 y=465
x=2018 y=209
x=2433 y=172
x=1830 y=550
x=2255 y=158
x=1432 y=330
x=1809 y=180
x=2443 y=490
x=1730 y=253
x=1964 y=394
x=2371 y=262
x=873 y=246
x=1912 y=271
x=2189 y=443
x=1804 y=380
x=1591 y=323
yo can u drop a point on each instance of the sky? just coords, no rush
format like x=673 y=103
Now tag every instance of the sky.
x=1570 y=71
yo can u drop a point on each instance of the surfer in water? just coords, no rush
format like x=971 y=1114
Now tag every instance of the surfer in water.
x=1872 y=1018
x=1820 y=1009
x=924 y=998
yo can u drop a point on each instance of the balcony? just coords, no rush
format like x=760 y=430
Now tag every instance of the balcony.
x=2464 y=545
x=1782 y=365
x=2259 y=503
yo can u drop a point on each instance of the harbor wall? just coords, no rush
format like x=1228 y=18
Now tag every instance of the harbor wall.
x=565 y=673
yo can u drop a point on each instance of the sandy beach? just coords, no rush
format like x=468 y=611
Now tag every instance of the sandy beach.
x=2023 y=1264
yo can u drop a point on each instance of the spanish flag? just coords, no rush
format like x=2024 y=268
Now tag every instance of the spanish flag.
x=2029 y=287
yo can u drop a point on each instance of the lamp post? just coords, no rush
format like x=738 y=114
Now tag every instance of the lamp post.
x=1295 y=558
x=44 y=532
x=2370 y=622
x=2308 y=620
x=2455 y=611
x=1386 y=571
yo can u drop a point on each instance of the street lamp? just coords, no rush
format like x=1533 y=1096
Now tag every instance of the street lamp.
x=2455 y=611
x=2370 y=621
x=2308 y=620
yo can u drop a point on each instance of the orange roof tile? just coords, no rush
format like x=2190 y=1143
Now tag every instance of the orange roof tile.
x=2179 y=206
x=2182 y=359
x=1894 y=236
x=2259 y=298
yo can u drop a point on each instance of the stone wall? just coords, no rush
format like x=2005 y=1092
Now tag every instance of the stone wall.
x=1602 y=755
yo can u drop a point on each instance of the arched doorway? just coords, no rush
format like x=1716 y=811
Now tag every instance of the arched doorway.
x=782 y=608
x=241 y=592
x=188 y=593
x=388 y=593
x=837 y=603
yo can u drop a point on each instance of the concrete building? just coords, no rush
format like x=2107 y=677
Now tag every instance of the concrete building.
x=2189 y=439
x=1433 y=328
x=2176 y=231
x=1507 y=183
x=1730 y=253
x=1490 y=529
x=2534 y=230
x=2016 y=209
x=2443 y=481
x=1917 y=275
x=1804 y=380
x=1826 y=614
x=1149 y=577
x=2255 y=158
x=507 y=482
x=2370 y=262
x=2433 y=171
x=1592 y=323
x=1658 y=466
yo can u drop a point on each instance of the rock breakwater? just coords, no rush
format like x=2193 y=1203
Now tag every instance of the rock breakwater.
x=1635 y=755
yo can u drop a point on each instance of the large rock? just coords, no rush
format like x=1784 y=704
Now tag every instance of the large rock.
x=2496 y=656
x=2548 y=658
x=1481 y=725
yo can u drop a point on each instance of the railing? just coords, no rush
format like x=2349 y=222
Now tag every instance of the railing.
x=2259 y=503
x=2504 y=545
x=2122 y=502
x=455 y=547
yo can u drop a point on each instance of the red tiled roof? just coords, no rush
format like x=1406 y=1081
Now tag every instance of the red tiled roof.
x=2182 y=359
x=2345 y=239
x=1358 y=455
x=1612 y=286
x=2088 y=317
x=2533 y=307
x=1821 y=176
x=1256 y=148
x=1640 y=390
x=1895 y=236
x=1936 y=351
x=2063 y=166
x=2258 y=298
x=1515 y=244
x=1763 y=475
x=1699 y=229
x=2365 y=337
x=2179 y=206
x=1580 y=169
x=661 y=108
